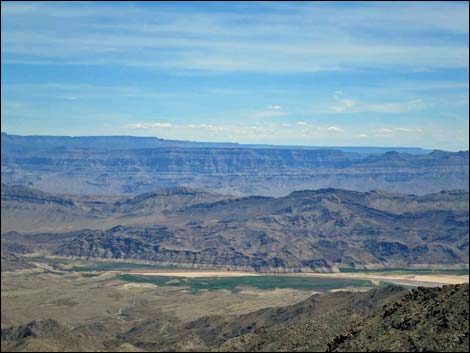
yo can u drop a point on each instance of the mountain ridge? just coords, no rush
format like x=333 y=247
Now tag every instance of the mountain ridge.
x=304 y=231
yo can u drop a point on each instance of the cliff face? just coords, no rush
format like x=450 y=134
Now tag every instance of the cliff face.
x=82 y=167
x=304 y=231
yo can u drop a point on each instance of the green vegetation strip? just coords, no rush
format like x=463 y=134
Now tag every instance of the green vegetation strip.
x=406 y=271
x=260 y=282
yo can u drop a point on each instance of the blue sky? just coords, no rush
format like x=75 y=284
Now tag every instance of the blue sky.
x=306 y=73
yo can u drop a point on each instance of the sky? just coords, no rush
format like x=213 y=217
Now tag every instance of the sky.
x=287 y=73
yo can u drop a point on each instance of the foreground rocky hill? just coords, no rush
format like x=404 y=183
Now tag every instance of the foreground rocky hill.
x=385 y=319
x=424 y=319
x=129 y=165
x=305 y=231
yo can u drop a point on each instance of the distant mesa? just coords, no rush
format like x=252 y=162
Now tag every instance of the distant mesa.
x=117 y=165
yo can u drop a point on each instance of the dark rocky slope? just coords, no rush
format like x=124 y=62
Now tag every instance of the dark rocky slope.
x=424 y=319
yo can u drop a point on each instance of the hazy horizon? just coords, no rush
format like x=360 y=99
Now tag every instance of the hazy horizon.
x=233 y=142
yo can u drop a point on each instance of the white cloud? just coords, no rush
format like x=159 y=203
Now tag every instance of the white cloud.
x=149 y=125
x=274 y=107
x=301 y=123
x=158 y=125
x=353 y=106
x=396 y=107
x=334 y=129
x=210 y=127
x=345 y=105
x=404 y=129
x=391 y=131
